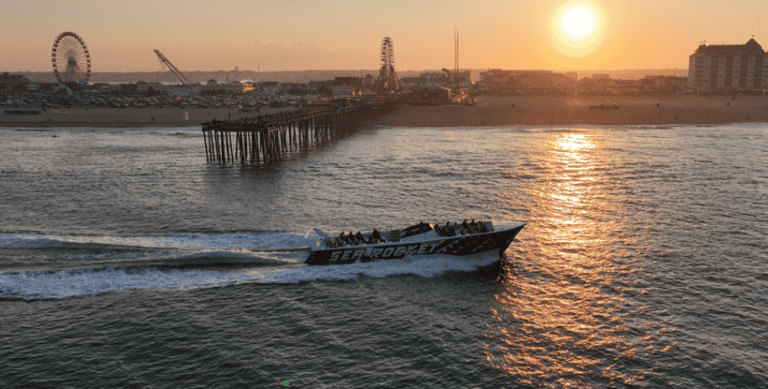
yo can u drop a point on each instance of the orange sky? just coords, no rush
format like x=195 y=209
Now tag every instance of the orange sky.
x=341 y=34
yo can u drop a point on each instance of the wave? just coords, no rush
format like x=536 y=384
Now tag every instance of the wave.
x=32 y=129
x=34 y=253
x=264 y=240
x=427 y=267
x=69 y=283
x=174 y=271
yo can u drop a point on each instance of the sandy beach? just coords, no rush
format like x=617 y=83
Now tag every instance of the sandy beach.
x=487 y=111
x=497 y=111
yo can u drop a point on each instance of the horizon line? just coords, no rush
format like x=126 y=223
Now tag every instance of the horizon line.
x=353 y=70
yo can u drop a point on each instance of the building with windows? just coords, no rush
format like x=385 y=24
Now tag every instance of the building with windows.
x=722 y=68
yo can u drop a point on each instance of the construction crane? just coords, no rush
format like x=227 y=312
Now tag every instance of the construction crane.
x=166 y=64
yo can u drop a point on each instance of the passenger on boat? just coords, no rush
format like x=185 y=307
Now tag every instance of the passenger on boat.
x=449 y=229
x=375 y=236
x=356 y=239
x=465 y=230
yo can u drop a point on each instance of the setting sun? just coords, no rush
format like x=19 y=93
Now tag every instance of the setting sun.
x=578 y=22
x=578 y=30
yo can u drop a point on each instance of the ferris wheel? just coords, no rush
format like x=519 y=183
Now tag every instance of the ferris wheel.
x=387 y=56
x=387 y=82
x=71 y=60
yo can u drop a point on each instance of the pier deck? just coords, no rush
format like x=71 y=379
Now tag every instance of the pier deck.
x=267 y=139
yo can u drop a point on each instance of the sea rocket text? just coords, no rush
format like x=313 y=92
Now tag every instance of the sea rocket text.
x=383 y=252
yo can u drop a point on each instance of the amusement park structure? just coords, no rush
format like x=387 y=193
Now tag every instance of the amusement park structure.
x=456 y=50
x=453 y=77
x=71 y=59
x=166 y=64
x=387 y=82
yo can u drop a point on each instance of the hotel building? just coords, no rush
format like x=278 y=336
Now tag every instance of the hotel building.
x=728 y=67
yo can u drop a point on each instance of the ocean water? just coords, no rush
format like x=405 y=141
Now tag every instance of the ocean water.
x=126 y=260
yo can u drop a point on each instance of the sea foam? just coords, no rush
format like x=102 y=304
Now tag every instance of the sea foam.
x=92 y=281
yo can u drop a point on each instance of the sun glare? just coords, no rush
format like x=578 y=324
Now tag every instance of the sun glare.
x=577 y=22
x=578 y=28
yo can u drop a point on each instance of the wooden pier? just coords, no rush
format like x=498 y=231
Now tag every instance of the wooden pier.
x=267 y=139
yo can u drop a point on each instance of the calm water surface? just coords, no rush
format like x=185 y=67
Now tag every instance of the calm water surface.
x=125 y=260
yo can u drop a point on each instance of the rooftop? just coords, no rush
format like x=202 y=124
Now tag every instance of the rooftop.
x=751 y=45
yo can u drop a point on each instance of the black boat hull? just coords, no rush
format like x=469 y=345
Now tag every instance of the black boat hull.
x=455 y=245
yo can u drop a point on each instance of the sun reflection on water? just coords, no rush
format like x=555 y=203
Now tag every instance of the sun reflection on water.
x=560 y=314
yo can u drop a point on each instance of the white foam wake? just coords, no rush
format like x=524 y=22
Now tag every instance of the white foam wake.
x=92 y=281
x=182 y=241
x=424 y=266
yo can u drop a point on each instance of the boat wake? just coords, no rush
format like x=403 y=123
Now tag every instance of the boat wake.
x=66 y=266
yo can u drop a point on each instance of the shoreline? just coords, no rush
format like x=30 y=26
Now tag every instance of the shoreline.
x=125 y=117
x=487 y=111
x=633 y=110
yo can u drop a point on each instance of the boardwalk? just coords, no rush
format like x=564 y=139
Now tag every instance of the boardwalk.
x=270 y=138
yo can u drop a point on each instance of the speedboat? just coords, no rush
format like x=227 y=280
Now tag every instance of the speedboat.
x=420 y=239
